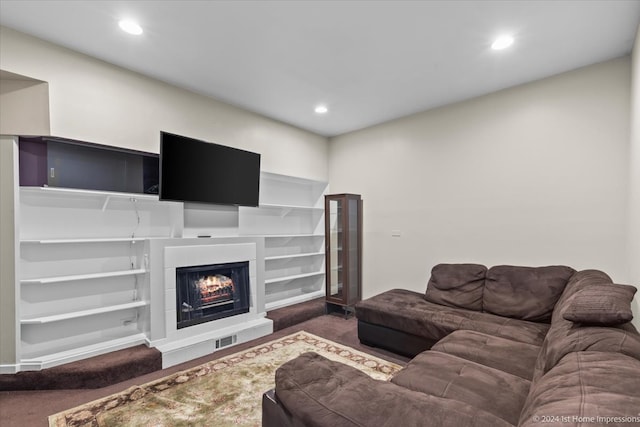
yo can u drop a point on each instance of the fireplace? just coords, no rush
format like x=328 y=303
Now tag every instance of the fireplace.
x=209 y=292
x=184 y=332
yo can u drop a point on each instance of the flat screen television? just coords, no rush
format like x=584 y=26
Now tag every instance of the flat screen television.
x=196 y=171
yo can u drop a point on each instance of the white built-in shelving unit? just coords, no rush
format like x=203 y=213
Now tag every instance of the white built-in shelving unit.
x=83 y=284
x=290 y=217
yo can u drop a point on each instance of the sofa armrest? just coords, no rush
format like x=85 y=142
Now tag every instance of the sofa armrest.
x=316 y=391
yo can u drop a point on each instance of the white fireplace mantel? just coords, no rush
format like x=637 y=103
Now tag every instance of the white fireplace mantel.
x=180 y=345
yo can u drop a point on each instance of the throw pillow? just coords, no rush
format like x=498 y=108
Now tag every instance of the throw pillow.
x=606 y=304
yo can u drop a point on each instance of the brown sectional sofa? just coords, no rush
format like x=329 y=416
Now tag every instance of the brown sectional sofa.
x=503 y=346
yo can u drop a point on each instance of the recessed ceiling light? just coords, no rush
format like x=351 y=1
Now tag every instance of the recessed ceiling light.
x=321 y=109
x=130 y=27
x=502 y=42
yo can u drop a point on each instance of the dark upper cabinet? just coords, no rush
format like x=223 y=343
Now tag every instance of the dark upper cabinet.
x=58 y=162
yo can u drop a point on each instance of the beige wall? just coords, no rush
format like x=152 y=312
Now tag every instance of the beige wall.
x=634 y=176
x=532 y=175
x=94 y=101
x=24 y=105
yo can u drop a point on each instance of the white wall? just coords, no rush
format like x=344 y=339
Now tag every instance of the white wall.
x=94 y=101
x=634 y=177
x=532 y=175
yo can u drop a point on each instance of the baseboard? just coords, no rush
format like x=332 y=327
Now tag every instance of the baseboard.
x=9 y=369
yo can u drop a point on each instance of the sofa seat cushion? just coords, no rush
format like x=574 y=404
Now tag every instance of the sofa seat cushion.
x=317 y=391
x=527 y=293
x=451 y=377
x=457 y=285
x=585 y=384
x=509 y=356
x=409 y=312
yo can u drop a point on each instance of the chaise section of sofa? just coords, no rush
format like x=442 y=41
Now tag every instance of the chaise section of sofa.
x=505 y=301
x=584 y=369
x=404 y=322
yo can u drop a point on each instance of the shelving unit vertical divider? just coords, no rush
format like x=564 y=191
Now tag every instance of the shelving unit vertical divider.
x=10 y=337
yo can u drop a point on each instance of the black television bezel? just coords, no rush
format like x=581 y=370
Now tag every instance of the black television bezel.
x=206 y=200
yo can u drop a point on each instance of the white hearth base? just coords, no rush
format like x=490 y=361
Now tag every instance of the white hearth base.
x=190 y=348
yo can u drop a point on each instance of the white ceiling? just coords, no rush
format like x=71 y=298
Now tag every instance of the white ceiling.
x=368 y=61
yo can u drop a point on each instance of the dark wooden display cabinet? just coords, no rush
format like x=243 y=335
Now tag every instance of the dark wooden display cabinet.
x=343 y=240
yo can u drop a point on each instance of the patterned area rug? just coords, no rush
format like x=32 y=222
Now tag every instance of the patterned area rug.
x=223 y=392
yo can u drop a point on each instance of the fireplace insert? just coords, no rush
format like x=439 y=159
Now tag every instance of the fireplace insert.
x=210 y=292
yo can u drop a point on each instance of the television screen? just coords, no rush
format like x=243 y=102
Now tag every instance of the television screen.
x=197 y=171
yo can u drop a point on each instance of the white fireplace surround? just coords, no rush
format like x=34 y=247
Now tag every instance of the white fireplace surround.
x=180 y=345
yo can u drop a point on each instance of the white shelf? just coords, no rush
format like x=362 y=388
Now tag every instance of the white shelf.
x=44 y=280
x=107 y=196
x=284 y=236
x=276 y=206
x=33 y=362
x=293 y=277
x=83 y=313
x=296 y=180
x=310 y=254
x=294 y=300
x=77 y=191
x=288 y=236
x=84 y=240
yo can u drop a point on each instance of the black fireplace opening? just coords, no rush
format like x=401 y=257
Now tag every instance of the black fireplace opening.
x=210 y=292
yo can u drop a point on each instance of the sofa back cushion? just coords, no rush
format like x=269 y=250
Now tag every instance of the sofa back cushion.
x=527 y=293
x=457 y=285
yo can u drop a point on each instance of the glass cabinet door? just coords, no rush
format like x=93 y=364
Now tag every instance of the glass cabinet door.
x=343 y=221
x=335 y=248
x=353 y=243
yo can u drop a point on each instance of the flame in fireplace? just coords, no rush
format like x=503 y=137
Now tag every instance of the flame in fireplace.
x=215 y=288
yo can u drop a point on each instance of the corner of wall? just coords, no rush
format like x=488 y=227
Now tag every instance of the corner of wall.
x=634 y=179
x=24 y=105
